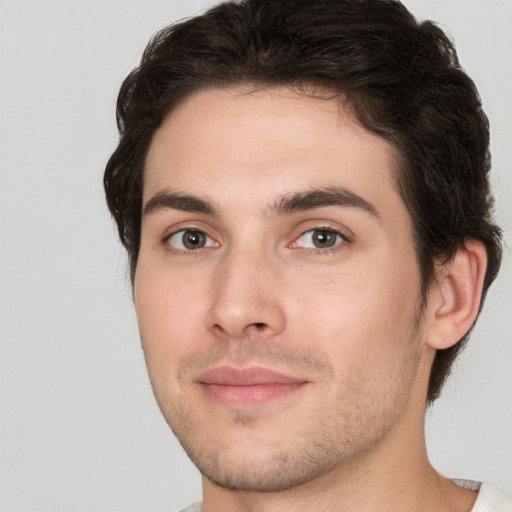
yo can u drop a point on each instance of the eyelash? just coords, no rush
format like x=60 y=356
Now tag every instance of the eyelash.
x=345 y=240
x=189 y=252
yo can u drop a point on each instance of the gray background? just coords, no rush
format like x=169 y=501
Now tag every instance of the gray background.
x=79 y=429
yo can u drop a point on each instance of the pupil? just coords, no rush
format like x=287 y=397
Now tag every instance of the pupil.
x=194 y=239
x=324 y=238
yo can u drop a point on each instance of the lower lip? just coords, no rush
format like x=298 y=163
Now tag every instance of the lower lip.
x=247 y=397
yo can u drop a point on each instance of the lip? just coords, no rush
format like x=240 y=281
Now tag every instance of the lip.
x=247 y=387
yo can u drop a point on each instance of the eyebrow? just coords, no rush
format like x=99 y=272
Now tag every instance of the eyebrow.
x=323 y=197
x=176 y=201
x=290 y=203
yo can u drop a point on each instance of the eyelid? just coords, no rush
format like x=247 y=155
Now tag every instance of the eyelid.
x=175 y=230
x=338 y=238
x=345 y=233
x=315 y=225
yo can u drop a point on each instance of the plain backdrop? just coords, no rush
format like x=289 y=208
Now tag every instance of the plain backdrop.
x=79 y=428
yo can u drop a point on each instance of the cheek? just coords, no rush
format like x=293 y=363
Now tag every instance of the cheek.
x=170 y=312
x=374 y=307
x=366 y=329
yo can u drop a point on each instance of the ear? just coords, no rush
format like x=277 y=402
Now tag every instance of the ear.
x=455 y=299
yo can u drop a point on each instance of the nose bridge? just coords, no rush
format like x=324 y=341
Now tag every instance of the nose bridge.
x=242 y=294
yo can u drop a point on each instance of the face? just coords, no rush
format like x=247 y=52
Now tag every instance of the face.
x=276 y=288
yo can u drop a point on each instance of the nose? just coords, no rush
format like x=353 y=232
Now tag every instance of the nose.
x=246 y=299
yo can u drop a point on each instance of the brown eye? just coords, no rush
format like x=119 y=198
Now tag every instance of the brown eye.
x=189 y=240
x=319 y=239
x=323 y=238
x=193 y=239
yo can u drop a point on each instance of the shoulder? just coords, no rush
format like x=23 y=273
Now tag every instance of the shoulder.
x=490 y=498
x=196 y=507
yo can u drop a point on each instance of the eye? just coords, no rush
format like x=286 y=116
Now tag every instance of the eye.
x=319 y=239
x=190 y=239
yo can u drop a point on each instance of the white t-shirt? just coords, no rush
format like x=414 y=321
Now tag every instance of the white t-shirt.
x=490 y=498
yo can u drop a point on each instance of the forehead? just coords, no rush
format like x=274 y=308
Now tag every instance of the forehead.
x=230 y=144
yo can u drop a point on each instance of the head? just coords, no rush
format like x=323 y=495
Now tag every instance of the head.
x=401 y=80
x=247 y=127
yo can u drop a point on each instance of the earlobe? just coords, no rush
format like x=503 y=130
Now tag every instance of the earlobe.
x=455 y=300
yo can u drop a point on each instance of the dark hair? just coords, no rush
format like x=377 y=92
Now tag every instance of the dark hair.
x=401 y=79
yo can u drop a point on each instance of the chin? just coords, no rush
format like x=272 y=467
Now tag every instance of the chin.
x=254 y=473
x=253 y=462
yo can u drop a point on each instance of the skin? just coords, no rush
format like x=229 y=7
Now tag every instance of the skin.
x=342 y=319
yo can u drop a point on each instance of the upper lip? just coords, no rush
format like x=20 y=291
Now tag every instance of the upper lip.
x=246 y=376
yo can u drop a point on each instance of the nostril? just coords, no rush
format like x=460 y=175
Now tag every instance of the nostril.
x=260 y=325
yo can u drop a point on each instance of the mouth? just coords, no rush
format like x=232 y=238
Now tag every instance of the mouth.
x=247 y=387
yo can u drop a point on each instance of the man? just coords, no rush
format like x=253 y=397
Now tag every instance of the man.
x=302 y=188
